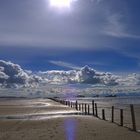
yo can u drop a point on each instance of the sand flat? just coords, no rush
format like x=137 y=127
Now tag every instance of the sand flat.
x=64 y=128
x=60 y=127
x=16 y=106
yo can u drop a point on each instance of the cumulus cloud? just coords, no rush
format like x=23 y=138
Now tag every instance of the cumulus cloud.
x=85 y=75
x=14 y=72
x=130 y=80
x=88 y=75
x=3 y=77
x=11 y=74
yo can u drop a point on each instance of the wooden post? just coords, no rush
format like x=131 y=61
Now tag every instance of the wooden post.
x=96 y=110
x=85 y=109
x=93 y=107
x=82 y=107
x=121 y=117
x=112 y=117
x=133 y=117
x=71 y=104
x=68 y=103
x=103 y=114
x=88 y=109
x=76 y=105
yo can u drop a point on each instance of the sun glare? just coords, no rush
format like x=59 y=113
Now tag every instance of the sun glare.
x=61 y=3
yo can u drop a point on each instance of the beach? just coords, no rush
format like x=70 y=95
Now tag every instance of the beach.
x=44 y=119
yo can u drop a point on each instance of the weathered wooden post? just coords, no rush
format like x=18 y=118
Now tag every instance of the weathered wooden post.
x=121 y=117
x=112 y=112
x=82 y=107
x=76 y=105
x=103 y=114
x=88 y=109
x=93 y=107
x=85 y=109
x=133 y=117
x=68 y=102
x=96 y=110
x=71 y=104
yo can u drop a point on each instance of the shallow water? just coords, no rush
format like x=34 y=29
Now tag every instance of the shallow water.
x=32 y=109
x=106 y=103
x=39 y=116
x=111 y=100
x=37 y=109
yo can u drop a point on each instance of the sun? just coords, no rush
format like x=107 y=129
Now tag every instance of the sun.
x=61 y=3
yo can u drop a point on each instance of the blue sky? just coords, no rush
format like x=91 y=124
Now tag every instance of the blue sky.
x=104 y=34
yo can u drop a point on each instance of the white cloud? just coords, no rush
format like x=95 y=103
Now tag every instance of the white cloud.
x=88 y=75
x=3 y=77
x=130 y=80
x=116 y=28
x=11 y=74
x=64 y=64
x=85 y=75
x=97 y=63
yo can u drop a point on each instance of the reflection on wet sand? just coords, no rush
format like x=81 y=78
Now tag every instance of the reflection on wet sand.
x=33 y=109
x=44 y=119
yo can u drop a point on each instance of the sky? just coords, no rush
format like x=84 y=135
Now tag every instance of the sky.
x=104 y=34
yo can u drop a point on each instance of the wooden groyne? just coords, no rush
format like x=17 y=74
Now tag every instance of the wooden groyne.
x=92 y=109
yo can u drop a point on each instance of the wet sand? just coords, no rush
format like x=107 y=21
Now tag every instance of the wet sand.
x=55 y=126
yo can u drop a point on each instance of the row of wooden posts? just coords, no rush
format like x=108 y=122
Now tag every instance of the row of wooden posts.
x=85 y=109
